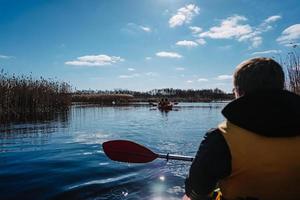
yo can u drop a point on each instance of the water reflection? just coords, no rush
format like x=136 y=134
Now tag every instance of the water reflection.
x=31 y=134
x=62 y=157
x=36 y=120
x=164 y=113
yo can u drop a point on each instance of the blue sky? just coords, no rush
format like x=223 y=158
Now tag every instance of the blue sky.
x=142 y=45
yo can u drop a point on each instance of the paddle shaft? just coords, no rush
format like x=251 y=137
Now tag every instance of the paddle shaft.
x=131 y=152
x=175 y=157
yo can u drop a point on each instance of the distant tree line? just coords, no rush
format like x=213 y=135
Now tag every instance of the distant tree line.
x=171 y=93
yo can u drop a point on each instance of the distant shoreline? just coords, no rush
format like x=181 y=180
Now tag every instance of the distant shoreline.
x=181 y=100
x=154 y=96
x=123 y=99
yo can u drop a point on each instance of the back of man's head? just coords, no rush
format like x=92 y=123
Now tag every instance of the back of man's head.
x=258 y=74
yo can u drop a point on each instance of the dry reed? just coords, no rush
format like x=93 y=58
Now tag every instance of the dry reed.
x=22 y=97
x=293 y=67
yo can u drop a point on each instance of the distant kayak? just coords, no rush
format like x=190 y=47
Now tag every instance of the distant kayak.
x=165 y=107
x=152 y=104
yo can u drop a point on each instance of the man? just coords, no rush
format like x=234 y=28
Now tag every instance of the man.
x=255 y=153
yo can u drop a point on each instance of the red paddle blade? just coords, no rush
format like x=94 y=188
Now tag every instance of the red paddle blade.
x=127 y=151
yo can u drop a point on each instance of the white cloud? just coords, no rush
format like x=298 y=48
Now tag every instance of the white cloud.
x=255 y=36
x=234 y=27
x=290 y=35
x=266 y=24
x=201 y=41
x=224 y=77
x=189 y=81
x=5 y=57
x=133 y=28
x=179 y=68
x=131 y=69
x=184 y=15
x=148 y=58
x=196 y=32
x=202 y=80
x=129 y=76
x=187 y=43
x=256 y=41
x=266 y=52
x=195 y=29
x=166 y=54
x=145 y=28
x=229 y=28
x=95 y=60
x=273 y=18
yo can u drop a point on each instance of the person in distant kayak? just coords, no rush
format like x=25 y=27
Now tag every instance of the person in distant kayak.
x=255 y=152
x=164 y=102
x=167 y=102
x=161 y=102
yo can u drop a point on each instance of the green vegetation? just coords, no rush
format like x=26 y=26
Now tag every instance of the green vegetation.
x=23 y=97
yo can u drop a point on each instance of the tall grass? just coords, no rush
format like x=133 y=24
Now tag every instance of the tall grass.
x=23 y=97
x=293 y=69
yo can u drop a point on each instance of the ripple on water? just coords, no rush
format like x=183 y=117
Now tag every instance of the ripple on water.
x=105 y=181
x=52 y=160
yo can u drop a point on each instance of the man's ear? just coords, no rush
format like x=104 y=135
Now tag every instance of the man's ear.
x=238 y=93
x=185 y=198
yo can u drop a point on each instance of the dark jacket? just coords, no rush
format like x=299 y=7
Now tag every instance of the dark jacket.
x=272 y=114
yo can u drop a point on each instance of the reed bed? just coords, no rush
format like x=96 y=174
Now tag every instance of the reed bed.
x=23 y=97
x=293 y=68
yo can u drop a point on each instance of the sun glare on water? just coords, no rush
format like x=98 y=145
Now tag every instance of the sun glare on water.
x=162 y=178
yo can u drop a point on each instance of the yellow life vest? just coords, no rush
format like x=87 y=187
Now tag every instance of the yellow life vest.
x=266 y=168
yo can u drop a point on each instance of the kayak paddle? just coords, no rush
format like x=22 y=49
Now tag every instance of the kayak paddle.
x=131 y=152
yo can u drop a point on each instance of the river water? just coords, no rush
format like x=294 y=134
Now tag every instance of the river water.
x=63 y=158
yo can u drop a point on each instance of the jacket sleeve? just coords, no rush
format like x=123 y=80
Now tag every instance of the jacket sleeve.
x=212 y=163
